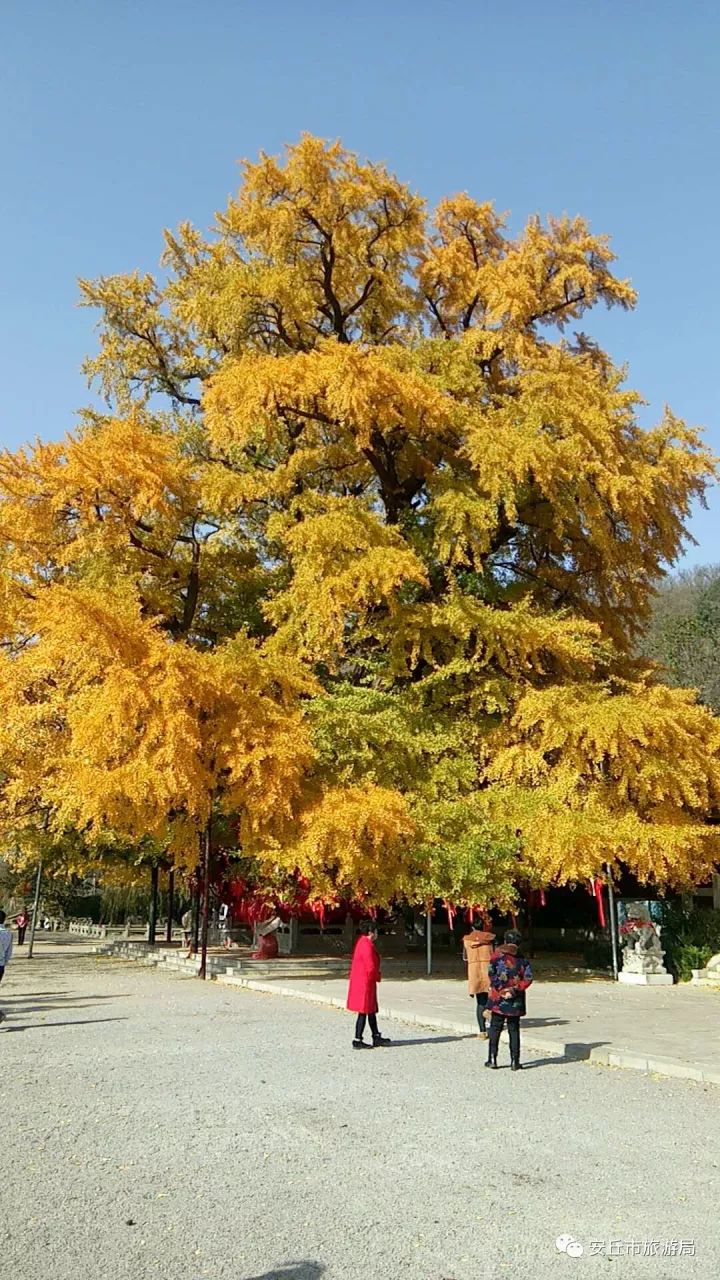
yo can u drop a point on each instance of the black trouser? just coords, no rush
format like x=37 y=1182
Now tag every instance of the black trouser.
x=362 y=1018
x=497 y=1022
x=21 y=934
x=481 y=999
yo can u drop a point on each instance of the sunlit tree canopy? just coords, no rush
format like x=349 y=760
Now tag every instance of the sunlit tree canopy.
x=359 y=550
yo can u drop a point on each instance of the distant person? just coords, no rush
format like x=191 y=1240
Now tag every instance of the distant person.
x=6 y=949
x=187 y=922
x=267 y=945
x=362 y=990
x=477 y=950
x=224 y=922
x=21 y=920
x=510 y=976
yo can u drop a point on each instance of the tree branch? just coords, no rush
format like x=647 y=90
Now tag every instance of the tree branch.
x=558 y=306
x=436 y=312
x=192 y=591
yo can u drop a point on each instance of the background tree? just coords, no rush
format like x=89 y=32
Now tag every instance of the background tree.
x=683 y=634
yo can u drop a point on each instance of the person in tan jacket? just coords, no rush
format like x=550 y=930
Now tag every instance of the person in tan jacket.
x=477 y=950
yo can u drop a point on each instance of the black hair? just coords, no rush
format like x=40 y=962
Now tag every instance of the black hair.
x=513 y=937
x=3 y=917
x=367 y=926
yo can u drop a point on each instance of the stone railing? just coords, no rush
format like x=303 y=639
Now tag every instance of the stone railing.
x=87 y=928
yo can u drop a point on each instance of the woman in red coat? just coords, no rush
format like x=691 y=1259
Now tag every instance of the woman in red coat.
x=362 y=991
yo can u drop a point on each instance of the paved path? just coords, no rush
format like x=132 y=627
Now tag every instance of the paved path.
x=157 y=1126
x=671 y=1030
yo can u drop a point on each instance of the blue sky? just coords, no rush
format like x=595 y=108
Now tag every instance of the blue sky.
x=121 y=117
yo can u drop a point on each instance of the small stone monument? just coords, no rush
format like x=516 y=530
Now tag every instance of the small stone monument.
x=641 y=949
x=710 y=975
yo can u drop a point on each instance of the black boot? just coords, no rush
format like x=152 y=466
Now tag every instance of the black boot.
x=514 y=1033
x=496 y=1024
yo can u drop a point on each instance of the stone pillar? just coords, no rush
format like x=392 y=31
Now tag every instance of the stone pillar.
x=348 y=933
x=294 y=936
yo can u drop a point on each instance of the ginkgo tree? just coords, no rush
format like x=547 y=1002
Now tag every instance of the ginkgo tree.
x=369 y=447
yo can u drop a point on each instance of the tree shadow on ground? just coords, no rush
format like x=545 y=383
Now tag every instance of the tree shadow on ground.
x=46 y=938
x=42 y=995
x=13 y=1005
x=294 y=1271
x=44 y=1026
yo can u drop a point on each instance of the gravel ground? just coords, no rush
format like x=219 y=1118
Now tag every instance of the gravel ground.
x=155 y=1126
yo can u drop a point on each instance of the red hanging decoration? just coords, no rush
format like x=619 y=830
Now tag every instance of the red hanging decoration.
x=543 y=903
x=597 y=886
x=450 y=914
x=318 y=910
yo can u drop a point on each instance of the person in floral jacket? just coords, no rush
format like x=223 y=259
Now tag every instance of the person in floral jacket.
x=510 y=976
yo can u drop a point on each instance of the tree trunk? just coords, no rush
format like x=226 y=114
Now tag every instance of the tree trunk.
x=206 y=842
x=152 y=923
x=36 y=908
x=170 y=905
x=196 y=918
x=612 y=912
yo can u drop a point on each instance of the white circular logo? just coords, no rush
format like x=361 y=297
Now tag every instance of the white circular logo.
x=566 y=1244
